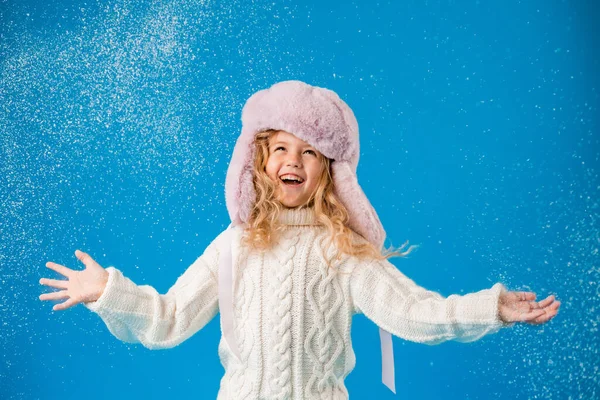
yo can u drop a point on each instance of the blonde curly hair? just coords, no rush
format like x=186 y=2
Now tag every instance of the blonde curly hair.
x=263 y=224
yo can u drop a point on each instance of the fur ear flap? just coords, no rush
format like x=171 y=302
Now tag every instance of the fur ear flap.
x=363 y=218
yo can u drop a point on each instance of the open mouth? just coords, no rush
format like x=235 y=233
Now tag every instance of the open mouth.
x=291 y=182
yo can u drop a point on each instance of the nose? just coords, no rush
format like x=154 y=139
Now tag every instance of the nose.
x=294 y=160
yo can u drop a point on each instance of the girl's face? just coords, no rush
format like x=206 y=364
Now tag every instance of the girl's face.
x=290 y=155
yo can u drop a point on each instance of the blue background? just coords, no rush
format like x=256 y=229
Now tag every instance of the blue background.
x=479 y=142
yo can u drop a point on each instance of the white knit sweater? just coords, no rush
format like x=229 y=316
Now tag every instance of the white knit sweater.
x=292 y=315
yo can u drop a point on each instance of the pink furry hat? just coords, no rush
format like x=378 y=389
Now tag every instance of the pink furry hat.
x=319 y=117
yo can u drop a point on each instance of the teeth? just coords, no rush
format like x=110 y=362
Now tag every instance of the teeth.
x=292 y=177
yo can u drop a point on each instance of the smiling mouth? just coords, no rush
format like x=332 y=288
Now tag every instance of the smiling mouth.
x=291 y=182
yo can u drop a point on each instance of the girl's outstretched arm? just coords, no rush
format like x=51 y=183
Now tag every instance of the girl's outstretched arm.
x=397 y=304
x=139 y=314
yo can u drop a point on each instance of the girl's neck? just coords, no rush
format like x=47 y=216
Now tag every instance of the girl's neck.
x=298 y=216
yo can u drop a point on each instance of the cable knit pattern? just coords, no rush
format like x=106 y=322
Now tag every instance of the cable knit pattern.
x=281 y=299
x=241 y=384
x=292 y=314
x=323 y=343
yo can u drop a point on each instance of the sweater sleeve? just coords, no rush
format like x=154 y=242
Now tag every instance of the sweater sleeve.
x=395 y=303
x=139 y=314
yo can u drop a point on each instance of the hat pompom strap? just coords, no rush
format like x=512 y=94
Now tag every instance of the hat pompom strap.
x=387 y=360
x=226 y=290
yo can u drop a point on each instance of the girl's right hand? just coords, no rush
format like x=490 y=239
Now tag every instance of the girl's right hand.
x=521 y=307
x=80 y=287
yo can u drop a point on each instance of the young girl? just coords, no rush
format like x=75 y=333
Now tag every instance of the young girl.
x=302 y=256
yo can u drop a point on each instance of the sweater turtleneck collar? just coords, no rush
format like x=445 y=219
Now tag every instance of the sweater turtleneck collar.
x=298 y=216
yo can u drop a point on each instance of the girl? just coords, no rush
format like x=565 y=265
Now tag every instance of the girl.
x=301 y=257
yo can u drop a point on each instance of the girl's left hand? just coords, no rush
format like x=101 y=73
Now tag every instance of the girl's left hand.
x=521 y=307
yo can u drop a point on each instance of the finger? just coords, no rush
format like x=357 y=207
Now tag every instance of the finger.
x=544 y=318
x=531 y=317
x=550 y=307
x=538 y=321
x=549 y=304
x=84 y=257
x=546 y=302
x=530 y=314
x=536 y=314
x=526 y=296
x=63 y=306
x=59 y=268
x=542 y=304
x=550 y=312
x=54 y=295
x=56 y=283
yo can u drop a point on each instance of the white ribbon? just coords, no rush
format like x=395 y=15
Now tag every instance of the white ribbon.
x=226 y=291
x=387 y=360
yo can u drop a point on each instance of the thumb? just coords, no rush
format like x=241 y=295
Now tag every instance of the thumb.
x=86 y=259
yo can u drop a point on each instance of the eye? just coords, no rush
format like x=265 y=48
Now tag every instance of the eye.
x=281 y=147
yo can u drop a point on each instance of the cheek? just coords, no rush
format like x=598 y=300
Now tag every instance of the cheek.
x=315 y=171
x=271 y=170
